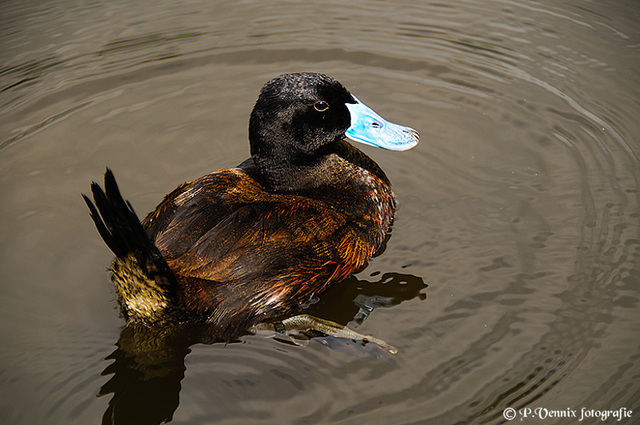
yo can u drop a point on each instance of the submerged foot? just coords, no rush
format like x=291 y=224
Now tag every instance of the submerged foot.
x=306 y=327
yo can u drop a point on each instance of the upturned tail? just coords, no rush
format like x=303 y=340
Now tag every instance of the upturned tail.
x=144 y=282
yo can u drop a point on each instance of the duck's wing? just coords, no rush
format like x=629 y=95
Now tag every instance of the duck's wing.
x=193 y=208
x=242 y=254
x=226 y=228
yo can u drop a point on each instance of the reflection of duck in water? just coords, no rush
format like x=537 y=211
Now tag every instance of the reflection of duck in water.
x=149 y=364
x=250 y=244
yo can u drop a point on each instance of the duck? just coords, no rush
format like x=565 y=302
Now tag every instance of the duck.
x=255 y=243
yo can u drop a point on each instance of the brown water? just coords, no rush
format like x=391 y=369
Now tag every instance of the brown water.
x=512 y=277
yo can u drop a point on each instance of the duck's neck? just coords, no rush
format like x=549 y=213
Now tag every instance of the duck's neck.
x=286 y=173
x=286 y=176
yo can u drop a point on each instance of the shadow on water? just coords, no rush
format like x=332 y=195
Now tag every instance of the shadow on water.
x=149 y=363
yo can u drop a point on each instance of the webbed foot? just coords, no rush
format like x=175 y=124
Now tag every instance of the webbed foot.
x=305 y=327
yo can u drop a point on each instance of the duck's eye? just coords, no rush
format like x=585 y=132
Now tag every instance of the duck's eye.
x=321 y=106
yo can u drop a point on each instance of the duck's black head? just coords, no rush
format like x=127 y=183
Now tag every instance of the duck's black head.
x=298 y=114
x=299 y=118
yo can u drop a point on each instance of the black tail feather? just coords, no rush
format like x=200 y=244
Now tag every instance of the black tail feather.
x=121 y=229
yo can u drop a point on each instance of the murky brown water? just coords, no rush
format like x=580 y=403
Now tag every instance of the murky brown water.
x=512 y=278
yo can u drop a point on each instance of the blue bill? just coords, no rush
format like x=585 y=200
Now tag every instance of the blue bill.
x=371 y=129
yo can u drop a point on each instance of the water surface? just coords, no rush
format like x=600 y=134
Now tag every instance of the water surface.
x=511 y=278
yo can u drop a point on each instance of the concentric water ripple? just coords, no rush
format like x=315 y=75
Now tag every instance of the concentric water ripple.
x=511 y=277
